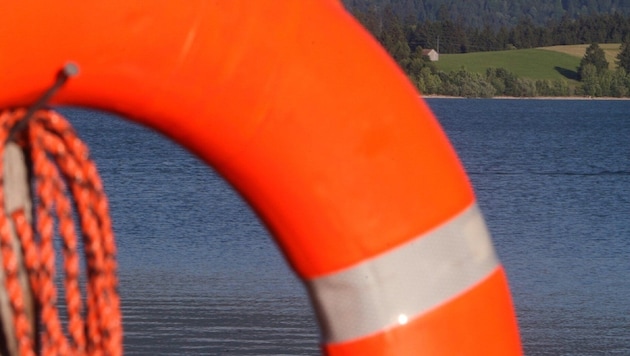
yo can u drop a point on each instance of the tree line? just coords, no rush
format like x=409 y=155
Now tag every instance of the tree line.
x=595 y=81
x=457 y=37
x=405 y=41
x=493 y=13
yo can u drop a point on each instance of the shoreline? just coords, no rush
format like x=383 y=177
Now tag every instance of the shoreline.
x=527 y=98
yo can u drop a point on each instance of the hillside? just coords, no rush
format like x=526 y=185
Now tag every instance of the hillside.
x=556 y=62
x=494 y=13
x=610 y=49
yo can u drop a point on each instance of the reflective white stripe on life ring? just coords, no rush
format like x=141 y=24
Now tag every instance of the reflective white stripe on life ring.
x=404 y=283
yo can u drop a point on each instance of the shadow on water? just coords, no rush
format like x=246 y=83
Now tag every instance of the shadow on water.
x=567 y=73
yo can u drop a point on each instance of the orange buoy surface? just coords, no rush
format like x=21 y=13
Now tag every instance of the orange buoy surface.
x=311 y=121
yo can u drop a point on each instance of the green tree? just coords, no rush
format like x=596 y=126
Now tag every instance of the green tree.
x=428 y=82
x=503 y=81
x=393 y=37
x=526 y=87
x=623 y=58
x=544 y=87
x=606 y=82
x=558 y=87
x=470 y=85
x=371 y=20
x=590 y=81
x=594 y=56
x=561 y=88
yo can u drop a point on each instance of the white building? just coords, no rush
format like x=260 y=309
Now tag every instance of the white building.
x=432 y=54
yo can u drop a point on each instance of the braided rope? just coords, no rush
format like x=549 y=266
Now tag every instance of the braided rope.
x=60 y=167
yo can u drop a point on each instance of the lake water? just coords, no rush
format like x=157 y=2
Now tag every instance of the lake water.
x=201 y=276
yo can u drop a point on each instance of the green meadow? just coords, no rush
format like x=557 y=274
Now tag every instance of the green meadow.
x=610 y=50
x=557 y=62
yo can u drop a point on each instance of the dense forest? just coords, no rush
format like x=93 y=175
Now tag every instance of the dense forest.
x=449 y=36
x=404 y=34
x=493 y=13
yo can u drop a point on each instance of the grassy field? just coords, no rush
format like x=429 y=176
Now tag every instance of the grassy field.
x=610 y=49
x=557 y=62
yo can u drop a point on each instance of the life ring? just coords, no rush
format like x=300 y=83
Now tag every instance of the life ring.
x=300 y=109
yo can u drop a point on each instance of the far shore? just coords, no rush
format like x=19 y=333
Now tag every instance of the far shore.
x=528 y=98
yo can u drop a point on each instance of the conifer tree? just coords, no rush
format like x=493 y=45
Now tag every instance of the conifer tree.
x=623 y=57
x=594 y=55
x=393 y=37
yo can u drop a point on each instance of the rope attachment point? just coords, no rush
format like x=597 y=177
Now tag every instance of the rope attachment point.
x=69 y=70
x=62 y=177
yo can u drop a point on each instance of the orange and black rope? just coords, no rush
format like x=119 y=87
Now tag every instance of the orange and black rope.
x=61 y=169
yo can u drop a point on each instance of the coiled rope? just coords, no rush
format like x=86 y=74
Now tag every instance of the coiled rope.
x=61 y=167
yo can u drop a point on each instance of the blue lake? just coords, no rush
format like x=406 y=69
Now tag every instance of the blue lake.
x=201 y=276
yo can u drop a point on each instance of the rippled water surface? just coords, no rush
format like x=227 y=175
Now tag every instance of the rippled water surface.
x=201 y=276
x=553 y=179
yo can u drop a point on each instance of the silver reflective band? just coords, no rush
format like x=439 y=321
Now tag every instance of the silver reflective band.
x=399 y=285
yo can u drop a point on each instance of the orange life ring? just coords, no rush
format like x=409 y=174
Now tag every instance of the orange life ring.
x=300 y=109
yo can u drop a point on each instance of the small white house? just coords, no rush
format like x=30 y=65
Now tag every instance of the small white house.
x=432 y=54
